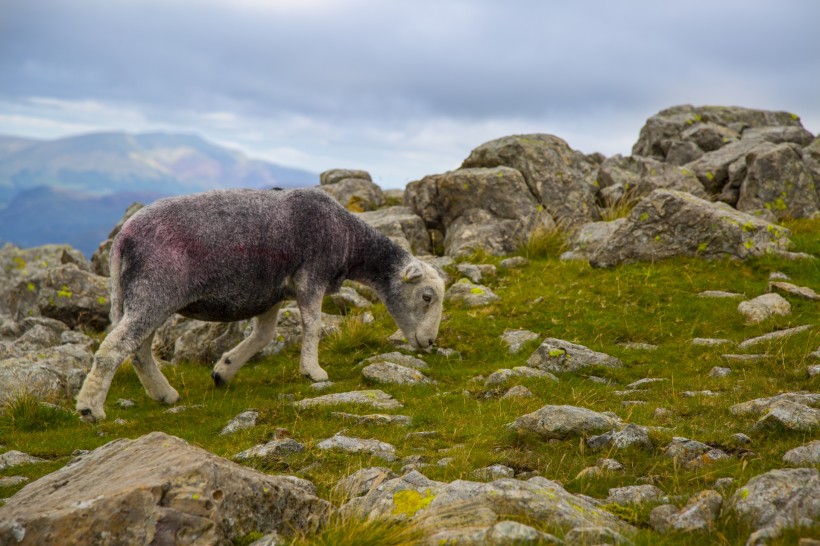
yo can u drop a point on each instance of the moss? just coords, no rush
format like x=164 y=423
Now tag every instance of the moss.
x=410 y=501
x=703 y=246
x=749 y=244
x=477 y=291
x=710 y=176
x=557 y=352
x=626 y=513
x=64 y=292
x=644 y=217
x=30 y=287
x=101 y=300
x=748 y=226
x=19 y=262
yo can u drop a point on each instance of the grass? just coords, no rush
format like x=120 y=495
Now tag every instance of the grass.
x=652 y=303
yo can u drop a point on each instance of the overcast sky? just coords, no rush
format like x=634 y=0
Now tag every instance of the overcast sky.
x=399 y=88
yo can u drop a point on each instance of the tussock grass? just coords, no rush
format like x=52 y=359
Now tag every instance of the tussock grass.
x=602 y=309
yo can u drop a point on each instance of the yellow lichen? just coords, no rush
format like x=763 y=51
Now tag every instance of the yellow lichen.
x=64 y=292
x=557 y=352
x=477 y=291
x=410 y=501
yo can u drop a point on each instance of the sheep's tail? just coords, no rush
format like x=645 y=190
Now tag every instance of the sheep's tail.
x=115 y=265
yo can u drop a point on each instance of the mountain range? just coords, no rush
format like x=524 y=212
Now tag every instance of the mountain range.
x=73 y=190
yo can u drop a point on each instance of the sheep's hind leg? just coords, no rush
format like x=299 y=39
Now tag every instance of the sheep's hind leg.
x=264 y=330
x=151 y=377
x=310 y=305
x=118 y=344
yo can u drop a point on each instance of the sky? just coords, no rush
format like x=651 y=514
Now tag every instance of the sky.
x=399 y=88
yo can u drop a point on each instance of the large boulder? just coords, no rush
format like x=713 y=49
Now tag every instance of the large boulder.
x=489 y=209
x=636 y=176
x=702 y=129
x=777 y=500
x=670 y=223
x=66 y=293
x=157 y=489
x=560 y=178
x=100 y=258
x=19 y=264
x=354 y=189
x=49 y=374
x=402 y=226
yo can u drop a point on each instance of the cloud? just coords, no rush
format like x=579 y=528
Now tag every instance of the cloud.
x=371 y=84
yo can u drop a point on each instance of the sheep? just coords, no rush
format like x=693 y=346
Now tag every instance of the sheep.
x=229 y=255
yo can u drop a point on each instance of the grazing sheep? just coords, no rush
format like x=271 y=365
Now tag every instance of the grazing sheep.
x=229 y=255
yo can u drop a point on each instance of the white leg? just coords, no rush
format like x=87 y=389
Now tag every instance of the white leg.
x=155 y=383
x=264 y=330
x=310 y=305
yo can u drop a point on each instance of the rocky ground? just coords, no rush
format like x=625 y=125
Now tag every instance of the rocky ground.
x=629 y=354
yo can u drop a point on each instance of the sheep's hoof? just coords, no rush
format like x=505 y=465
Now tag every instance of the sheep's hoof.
x=218 y=381
x=87 y=416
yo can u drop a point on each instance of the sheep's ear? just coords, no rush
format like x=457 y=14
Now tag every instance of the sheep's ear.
x=412 y=273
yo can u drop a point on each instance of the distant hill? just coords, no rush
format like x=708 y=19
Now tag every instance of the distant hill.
x=73 y=189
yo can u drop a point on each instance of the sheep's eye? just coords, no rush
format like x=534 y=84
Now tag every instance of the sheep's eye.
x=427 y=297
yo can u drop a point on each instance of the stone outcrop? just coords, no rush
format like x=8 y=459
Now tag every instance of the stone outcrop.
x=354 y=189
x=402 y=226
x=156 y=489
x=557 y=355
x=670 y=223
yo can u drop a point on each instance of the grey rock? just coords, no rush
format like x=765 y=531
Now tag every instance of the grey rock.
x=557 y=355
x=639 y=176
x=358 y=445
x=764 y=307
x=396 y=374
x=790 y=289
x=321 y=385
x=493 y=472
x=805 y=455
x=814 y=370
x=741 y=439
x=634 y=494
x=589 y=238
x=719 y=294
x=182 y=339
x=374 y=419
x=516 y=339
x=758 y=406
x=471 y=271
x=347 y=299
x=561 y=422
x=668 y=223
x=470 y=295
x=363 y=481
x=171 y=489
x=182 y=409
x=280 y=447
x=685 y=450
x=560 y=178
x=519 y=391
x=515 y=262
x=355 y=194
x=646 y=381
x=397 y=499
x=773 y=336
x=699 y=514
x=779 y=499
x=245 y=420
x=51 y=373
x=791 y=416
x=717 y=371
x=630 y=436
x=705 y=459
x=780 y=134
x=724 y=483
x=595 y=535
x=401 y=226
x=125 y=403
x=332 y=176
x=13 y=458
x=638 y=346
x=503 y=375
x=271 y=539
x=488 y=209
x=12 y=481
x=395 y=357
x=374 y=398
x=695 y=394
x=743 y=358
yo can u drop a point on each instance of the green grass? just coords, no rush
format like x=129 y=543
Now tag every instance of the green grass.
x=652 y=303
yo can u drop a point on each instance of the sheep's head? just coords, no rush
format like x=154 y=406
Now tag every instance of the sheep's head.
x=415 y=303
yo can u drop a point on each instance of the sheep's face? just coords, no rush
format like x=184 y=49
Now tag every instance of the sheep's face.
x=416 y=303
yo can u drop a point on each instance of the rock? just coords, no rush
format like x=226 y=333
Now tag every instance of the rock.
x=744 y=358
x=638 y=346
x=588 y=239
x=792 y=416
x=595 y=535
x=758 y=406
x=407 y=361
x=493 y=472
x=347 y=299
x=778 y=180
x=764 y=307
x=32 y=334
x=646 y=381
x=363 y=481
x=101 y=256
x=790 y=289
x=17 y=265
x=562 y=422
x=805 y=455
x=470 y=295
x=181 y=339
x=711 y=342
x=699 y=514
x=772 y=336
x=777 y=500
x=12 y=481
x=639 y=176
x=717 y=371
x=719 y=294
x=245 y=420
x=557 y=355
x=321 y=385
x=516 y=339
x=515 y=262
x=503 y=375
x=353 y=189
x=48 y=374
x=503 y=532
x=694 y=394
x=814 y=370
x=705 y=459
x=280 y=447
x=358 y=445
x=374 y=419
x=478 y=209
x=401 y=226
x=388 y=372
x=375 y=398
x=65 y=293
x=519 y=391
x=669 y=223
x=13 y=458
x=560 y=178
x=171 y=490
x=630 y=436
x=634 y=494
x=684 y=450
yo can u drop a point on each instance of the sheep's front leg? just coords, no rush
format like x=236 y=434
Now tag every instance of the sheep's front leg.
x=310 y=306
x=264 y=329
